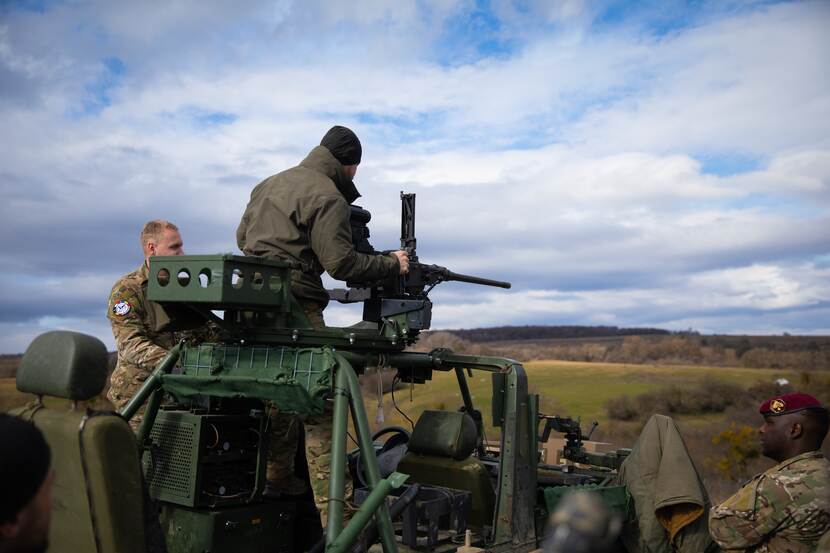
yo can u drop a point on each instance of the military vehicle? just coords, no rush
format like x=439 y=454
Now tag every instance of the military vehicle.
x=201 y=447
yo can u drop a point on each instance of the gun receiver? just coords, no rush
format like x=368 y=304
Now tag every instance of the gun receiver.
x=409 y=291
x=573 y=449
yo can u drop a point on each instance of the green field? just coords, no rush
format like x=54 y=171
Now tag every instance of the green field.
x=565 y=388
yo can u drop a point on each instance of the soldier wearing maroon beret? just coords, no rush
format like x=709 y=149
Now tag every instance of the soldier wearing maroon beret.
x=787 y=508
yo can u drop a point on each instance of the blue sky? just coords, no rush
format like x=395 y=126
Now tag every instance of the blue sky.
x=623 y=163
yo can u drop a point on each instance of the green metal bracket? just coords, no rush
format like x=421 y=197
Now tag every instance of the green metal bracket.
x=374 y=501
x=221 y=281
x=514 y=521
x=348 y=395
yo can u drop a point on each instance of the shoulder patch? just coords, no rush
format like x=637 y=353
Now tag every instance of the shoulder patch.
x=121 y=308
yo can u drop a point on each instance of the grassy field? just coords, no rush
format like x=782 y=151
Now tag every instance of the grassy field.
x=566 y=388
x=10 y=397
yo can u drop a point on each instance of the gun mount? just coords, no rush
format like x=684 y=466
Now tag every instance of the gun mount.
x=406 y=293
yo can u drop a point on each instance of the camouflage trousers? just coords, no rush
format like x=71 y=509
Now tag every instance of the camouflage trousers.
x=123 y=387
x=284 y=435
x=281 y=450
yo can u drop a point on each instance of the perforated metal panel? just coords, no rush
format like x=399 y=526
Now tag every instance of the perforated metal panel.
x=200 y=459
x=221 y=281
x=170 y=467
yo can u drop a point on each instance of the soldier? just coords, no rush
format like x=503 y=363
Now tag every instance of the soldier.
x=26 y=504
x=302 y=215
x=136 y=320
x=787 y=508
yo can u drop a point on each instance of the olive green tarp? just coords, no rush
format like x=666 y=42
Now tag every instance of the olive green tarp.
x=671 y=504
x=296 y=379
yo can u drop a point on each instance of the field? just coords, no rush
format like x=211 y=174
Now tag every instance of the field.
x=576 y=389
x=568 y=388
x=565 y=388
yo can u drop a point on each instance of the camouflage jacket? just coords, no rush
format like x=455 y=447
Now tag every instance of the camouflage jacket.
x=783 y=510
x=140 y=346
x=302 y=215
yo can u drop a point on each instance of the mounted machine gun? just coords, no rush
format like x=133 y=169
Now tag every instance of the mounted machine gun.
x=400 y=294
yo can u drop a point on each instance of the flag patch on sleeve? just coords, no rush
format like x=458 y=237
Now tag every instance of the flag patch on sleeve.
x=122 y=308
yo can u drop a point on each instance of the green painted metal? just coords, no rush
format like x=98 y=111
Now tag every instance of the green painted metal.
x=470 y=409
x=193 y=452
x=296 y=379
x=374 y=502
x=340 y=423
x=149 y=418
x=223 y=280
x=347 y=381
x=171 y=466
x=514 y=521
x=466 y=474
x=260 y=528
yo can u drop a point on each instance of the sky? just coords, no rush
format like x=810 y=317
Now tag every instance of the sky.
x=654 y=163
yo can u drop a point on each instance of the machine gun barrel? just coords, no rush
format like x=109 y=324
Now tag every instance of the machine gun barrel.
x=447 y=275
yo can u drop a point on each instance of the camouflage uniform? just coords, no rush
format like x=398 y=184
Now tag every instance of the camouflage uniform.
x=140 y=348
x=784 y=510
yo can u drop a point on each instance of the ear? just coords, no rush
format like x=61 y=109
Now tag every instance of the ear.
x=796 y=430
x=151 y=247
x=9 y=530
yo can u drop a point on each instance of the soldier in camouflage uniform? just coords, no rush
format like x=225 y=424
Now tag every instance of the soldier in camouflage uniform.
x=134 y=318
x=787 y=508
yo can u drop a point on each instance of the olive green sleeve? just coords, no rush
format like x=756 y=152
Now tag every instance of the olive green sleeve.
x=331 y=241
x=242 y=231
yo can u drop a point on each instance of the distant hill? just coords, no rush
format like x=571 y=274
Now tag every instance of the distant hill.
x=611 y=344
x=511 y=333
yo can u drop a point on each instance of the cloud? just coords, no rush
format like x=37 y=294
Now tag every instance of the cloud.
x=661 y=164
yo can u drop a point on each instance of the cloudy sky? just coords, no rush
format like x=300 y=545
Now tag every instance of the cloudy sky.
x=622 y=163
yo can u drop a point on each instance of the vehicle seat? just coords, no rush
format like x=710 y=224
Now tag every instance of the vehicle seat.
x=97 y=492
x=440 y=454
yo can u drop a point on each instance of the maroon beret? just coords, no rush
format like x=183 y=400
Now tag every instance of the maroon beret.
x=789 y=403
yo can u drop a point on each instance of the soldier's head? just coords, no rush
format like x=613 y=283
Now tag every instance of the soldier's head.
x=159 y=237
x=345 y=147
x=793 y=424
x=26 y=507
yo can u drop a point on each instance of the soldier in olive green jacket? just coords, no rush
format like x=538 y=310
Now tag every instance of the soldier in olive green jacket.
x=302 y=215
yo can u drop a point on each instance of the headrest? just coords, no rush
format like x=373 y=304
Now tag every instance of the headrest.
x=444 y=434
x=64 y=364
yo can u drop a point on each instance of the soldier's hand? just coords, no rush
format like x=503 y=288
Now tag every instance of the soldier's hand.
x=403 y=261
